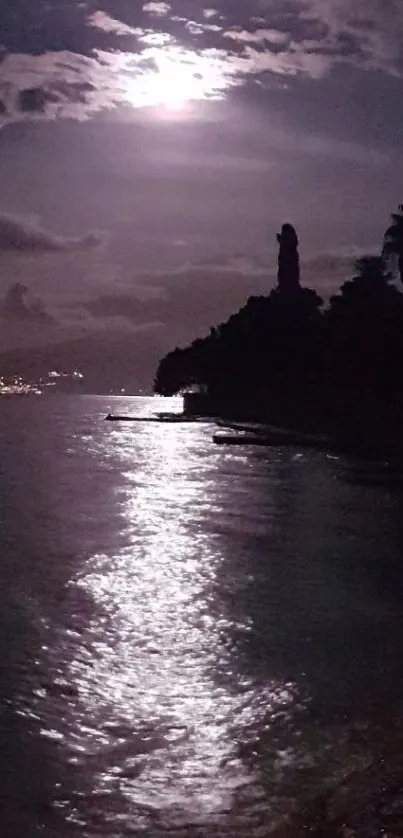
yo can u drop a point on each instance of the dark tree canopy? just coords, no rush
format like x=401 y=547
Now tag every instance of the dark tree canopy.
x=288 y=358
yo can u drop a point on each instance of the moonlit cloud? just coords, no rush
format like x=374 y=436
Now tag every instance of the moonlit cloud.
x=89 y=57
x=175 y=77
x=159 y=9
x=105 y=23
x=260 y=36
x=56 y=84
x=209 y=13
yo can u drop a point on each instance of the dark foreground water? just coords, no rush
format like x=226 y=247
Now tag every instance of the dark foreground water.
x=194 y=639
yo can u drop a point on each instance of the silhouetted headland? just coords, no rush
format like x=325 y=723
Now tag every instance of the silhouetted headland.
x=290 y=360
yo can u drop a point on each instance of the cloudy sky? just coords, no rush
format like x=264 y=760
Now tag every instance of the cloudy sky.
x=149 y=152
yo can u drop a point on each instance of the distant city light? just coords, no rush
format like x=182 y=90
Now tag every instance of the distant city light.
x=16 y=385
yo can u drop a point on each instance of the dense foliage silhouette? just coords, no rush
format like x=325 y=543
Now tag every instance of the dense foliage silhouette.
x=287 y=358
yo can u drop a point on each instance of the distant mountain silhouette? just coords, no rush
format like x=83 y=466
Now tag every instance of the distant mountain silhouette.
x=108 y=362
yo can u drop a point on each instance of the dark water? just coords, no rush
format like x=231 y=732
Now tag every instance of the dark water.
x=194 y=638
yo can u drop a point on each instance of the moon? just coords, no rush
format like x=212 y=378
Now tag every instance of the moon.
x=174 y=80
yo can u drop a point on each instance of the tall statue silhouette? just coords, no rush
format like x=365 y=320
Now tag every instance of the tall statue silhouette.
x=288 y=260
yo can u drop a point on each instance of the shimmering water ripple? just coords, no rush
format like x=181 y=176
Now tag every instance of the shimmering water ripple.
x=190 y=629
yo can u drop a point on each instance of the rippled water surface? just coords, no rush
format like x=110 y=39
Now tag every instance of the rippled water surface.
x=194 y=638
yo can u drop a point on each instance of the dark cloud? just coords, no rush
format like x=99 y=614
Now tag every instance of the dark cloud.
x=127 y=306
x=24 y=236
x=31 y=100
x=187 y=303
x=16 y=309
x=195 y=297
x=327 y=271
x=34 y=27
x=116 y=338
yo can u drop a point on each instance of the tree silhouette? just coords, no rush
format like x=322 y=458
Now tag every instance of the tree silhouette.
x=281 y=359
x=267 y=352
x=393 y=240
x=364 y=348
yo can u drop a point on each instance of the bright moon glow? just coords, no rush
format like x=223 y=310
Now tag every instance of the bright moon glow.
x=176 y=77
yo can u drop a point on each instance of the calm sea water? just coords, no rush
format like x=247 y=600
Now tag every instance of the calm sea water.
x=194 y=639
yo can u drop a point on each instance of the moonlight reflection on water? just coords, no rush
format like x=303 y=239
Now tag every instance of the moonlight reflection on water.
x=160 y=702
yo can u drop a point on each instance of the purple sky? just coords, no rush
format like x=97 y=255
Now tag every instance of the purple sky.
x=149 y=152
